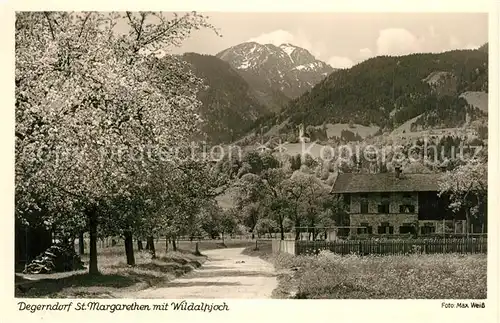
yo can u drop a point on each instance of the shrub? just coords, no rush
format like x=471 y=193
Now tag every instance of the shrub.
x=57 y=258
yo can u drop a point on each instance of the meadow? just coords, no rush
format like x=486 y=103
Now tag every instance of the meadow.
x=331 y=276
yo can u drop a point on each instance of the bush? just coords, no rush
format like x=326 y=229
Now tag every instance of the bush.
x=57 y=258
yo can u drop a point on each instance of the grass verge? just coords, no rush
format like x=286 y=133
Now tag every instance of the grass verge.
x=115 y=275
x=330 y=276
x=263 y=249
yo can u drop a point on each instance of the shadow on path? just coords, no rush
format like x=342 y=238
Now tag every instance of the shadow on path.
x=230 y=273
x=213 y=267
x=201 y=283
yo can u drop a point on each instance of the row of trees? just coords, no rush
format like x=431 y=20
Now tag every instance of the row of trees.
x=277 y=201
x=103 y=126
x=273 y=197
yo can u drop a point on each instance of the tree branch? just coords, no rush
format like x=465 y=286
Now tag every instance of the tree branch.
x=46 y=14
x=162 y=33
x=20 y=135
x=132 y=23
x=67 y=192
x=139 y=33
x=83 y=25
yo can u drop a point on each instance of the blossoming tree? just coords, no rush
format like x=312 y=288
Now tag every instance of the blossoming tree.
x=467 y=188
x=90 y=101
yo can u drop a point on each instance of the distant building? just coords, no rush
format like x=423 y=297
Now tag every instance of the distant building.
x=302 y=137
x=396 y=203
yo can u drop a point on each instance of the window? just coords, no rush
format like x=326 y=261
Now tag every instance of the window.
x=407 y=208
x=363 y=195
x=383 y=208
x=407 y=195
x=347 y=202
x=448 y=227
x=427 y=229
x=407 y=228
x=364 y=207
x=385 y=228
x=366 y=230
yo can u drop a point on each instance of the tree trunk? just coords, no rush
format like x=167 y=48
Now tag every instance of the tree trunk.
x=139 y=245
x=174 y=246
x=151 y=243
x=467 y=221
x=166 y=244
x=282 y=231
x=297 y=230
x=129 y=248
x=81 y=244
x=93 y=270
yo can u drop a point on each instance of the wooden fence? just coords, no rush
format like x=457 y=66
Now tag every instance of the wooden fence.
x=394 y=247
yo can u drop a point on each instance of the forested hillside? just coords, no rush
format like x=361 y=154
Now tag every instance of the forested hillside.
x=229 y=104
x=387 y=91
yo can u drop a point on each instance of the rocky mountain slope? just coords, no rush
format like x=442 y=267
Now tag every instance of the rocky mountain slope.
x=274 y=71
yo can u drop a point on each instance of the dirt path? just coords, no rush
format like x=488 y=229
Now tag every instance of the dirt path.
x=226 y=274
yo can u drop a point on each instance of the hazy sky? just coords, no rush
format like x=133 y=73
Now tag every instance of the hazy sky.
x=344 y=39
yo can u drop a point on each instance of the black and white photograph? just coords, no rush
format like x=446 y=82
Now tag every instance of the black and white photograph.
x=251 y=155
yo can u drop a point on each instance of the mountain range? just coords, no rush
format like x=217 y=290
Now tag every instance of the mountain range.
x=251 y=81
x=253 y=86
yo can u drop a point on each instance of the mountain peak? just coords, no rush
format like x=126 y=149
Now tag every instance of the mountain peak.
x=288 y=48
x=288 y=45
x=287 y=68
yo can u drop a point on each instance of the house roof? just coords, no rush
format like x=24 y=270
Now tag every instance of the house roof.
x=385 y=182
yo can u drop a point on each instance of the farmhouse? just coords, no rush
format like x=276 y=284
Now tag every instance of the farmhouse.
x=396 y=203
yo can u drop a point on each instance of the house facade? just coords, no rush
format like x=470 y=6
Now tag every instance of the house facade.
x=396 y=203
